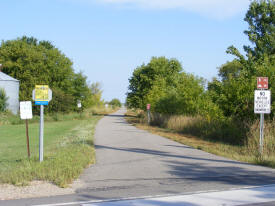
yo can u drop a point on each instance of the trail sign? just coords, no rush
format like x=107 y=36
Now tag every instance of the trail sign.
x=79 y=104
x=26 y=110
x=26 y=113
x=42 y=94
x=262 y=82
x=262 y=102
x=148 y=106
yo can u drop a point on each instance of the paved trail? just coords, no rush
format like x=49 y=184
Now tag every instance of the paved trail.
x=135 y=163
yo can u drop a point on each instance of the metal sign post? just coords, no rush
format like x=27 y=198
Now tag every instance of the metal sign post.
x=41 y=95
x=262 y=105
x=148 y=113
x=261 y=149
x=41 y=134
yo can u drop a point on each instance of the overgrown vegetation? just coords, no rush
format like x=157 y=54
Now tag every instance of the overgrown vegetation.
x=198 y=133
x=221 y=110
x=115 y=103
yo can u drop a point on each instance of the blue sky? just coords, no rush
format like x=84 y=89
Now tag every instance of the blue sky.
x=108 y=39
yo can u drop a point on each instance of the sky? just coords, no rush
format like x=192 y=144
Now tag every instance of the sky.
x=108 y=39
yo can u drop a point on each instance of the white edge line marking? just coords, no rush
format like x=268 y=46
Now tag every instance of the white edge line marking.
x=153 y=196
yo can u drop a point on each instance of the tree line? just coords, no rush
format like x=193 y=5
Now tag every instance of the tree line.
x=170 y=90
x=35 y=62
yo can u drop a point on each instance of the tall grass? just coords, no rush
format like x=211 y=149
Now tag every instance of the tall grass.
x=224 y=130
x=225 y=137
x=252 y=143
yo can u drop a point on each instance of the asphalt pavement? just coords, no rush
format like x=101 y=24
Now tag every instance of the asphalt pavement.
x=133 y=163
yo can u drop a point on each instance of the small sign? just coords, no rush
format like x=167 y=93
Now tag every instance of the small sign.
x=148 y=106
x=26 y=110
x=262 y=82
x=41 y=93
x=41 y=103
x=79 y=104
x=262 y=102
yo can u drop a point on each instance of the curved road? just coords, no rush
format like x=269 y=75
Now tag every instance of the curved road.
x=135 y=163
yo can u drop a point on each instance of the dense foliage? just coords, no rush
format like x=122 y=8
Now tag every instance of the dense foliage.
x=36 y=62
x=170 y=90
x=234 y=93
x=115 y=102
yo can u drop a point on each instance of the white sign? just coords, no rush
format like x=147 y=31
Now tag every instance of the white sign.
x=26 y=110
x=262 y=102
x=79 y=105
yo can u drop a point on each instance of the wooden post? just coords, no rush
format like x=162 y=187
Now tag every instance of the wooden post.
x=28 y=141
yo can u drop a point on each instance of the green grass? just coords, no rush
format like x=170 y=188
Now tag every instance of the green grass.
x=68 y=149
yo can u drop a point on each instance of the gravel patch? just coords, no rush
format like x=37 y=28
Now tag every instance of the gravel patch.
x=36 y=189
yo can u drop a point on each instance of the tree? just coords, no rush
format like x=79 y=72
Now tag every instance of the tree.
x=96 y=93
x=145 y=76
x=115 y=102
x=230 y=70
x=261 y=32
x=36 y=62
x=235 y=92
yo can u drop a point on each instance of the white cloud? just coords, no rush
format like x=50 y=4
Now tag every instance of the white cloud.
x=214 y=8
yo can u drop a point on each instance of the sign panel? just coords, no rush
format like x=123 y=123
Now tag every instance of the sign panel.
x=148 y=106
x=262 y=102
x=41 y=102
x=26 y=110
x=262 y=82
x=41 y=93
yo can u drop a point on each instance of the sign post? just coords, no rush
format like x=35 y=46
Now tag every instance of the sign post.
x=262 y=105
x=148 y=113
x=42 y=95
x=26 y=113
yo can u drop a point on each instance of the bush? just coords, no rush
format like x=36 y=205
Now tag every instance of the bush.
x=115 y=103
x=3 y=100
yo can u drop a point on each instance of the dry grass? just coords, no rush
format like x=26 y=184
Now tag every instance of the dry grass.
x=175 y=127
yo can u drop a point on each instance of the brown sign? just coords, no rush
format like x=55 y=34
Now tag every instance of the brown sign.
x=262 y=82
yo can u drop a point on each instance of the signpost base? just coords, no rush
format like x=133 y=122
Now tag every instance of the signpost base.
x=41 y=133
x=261 y=134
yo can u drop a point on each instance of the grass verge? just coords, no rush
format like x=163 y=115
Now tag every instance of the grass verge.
x=68 y=149
x=176 y=129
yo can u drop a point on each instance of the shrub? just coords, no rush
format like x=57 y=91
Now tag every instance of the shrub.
x=3 y=100
x=115 y=103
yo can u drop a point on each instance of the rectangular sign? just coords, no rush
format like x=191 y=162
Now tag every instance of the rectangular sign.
x=148 y=106
x=262 y=102
x=41 y=93
x=41 y=102
x=26 y=110
x=262 y=82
